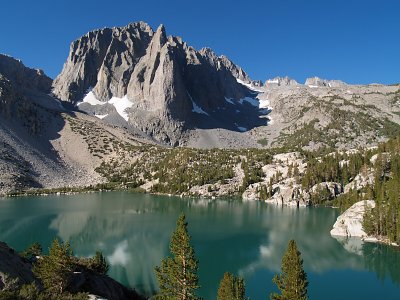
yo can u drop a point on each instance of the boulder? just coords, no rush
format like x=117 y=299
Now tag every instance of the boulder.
x=350 y=222
x=289 y=193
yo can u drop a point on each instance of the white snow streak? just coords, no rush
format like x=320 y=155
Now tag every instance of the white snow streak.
x=121 y=104
x=91 y=99
x=250 y=86
x=101 y=116
x=229 y=100
x=197 y=109
x=252 y=101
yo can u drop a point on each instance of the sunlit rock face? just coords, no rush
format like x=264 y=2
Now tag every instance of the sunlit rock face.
x=167 y=84
x=350 y=222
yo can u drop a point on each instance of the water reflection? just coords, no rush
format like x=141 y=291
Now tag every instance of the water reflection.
x=247 y=238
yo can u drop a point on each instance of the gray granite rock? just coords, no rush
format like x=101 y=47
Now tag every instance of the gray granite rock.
x=350 y=222
x=318 y=82
x=164 y=80
x=280 y=81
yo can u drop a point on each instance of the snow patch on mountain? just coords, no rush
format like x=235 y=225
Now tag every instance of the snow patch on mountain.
x=253 y=101
x=91 y=99
x=197 y=109
x=249 y=86
x=121 y=104
x=101 y=116
x=229 y=100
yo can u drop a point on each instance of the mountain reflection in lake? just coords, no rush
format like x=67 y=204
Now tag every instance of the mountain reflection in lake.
x=246 y=238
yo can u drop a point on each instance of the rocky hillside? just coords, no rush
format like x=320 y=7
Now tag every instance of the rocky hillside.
x=42 y=145
x=328 y=114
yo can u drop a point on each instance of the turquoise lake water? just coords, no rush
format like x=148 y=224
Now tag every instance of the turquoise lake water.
x=245 y=238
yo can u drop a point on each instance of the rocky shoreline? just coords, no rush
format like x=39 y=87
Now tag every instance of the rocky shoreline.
x=349 y=224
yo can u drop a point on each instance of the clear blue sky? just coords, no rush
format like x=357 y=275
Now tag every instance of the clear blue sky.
x=357 y=41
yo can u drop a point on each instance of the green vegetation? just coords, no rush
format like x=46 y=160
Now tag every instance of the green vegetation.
x=54 y=273
x=32 y=252
x=263 y=142
x=337 y=167
x=346 y=120
x=384 y=219
x=55 y=270
x=176 y=171
x=231 y=288
x=292 y=282
x=177 y=275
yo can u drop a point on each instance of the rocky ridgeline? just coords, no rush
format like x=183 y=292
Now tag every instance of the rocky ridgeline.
x=164 y=81
x=318 y=82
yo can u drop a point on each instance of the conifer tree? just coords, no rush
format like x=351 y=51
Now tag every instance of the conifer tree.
x=177 y=275
x=99 y=263
x=231 y=288
x=55 y=270
x=292 y=282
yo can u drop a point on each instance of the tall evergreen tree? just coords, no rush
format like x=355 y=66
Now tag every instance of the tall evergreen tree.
x=292 y=282
x=177 y=275
x=231 y=288
x=99 y=263
x=55 y=270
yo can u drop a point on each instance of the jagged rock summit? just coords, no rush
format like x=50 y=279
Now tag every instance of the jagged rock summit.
x=156 y=83
x=318 y=82
x=280 y=81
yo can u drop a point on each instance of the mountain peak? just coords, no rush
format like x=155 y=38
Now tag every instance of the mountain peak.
x=318 y=82
x=281 y=81
x=154 y=82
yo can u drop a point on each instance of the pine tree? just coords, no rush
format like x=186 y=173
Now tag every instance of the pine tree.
x=32 y=251
x=292 y=282
x=231 y=288
x=99 y=264
x=177 y=276
x=55 y=270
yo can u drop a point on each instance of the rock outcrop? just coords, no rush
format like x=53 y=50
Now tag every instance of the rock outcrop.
x=158 y=84
x=318 y=82
x=332 y=189
x=350 y=222
x=280 y=81
x=13 y=268
x=279 y=177
x=288 y=193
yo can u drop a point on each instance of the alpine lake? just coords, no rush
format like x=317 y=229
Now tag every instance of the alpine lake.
x=245 y=238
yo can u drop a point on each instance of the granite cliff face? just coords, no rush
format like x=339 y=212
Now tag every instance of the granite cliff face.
x=166 y=86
